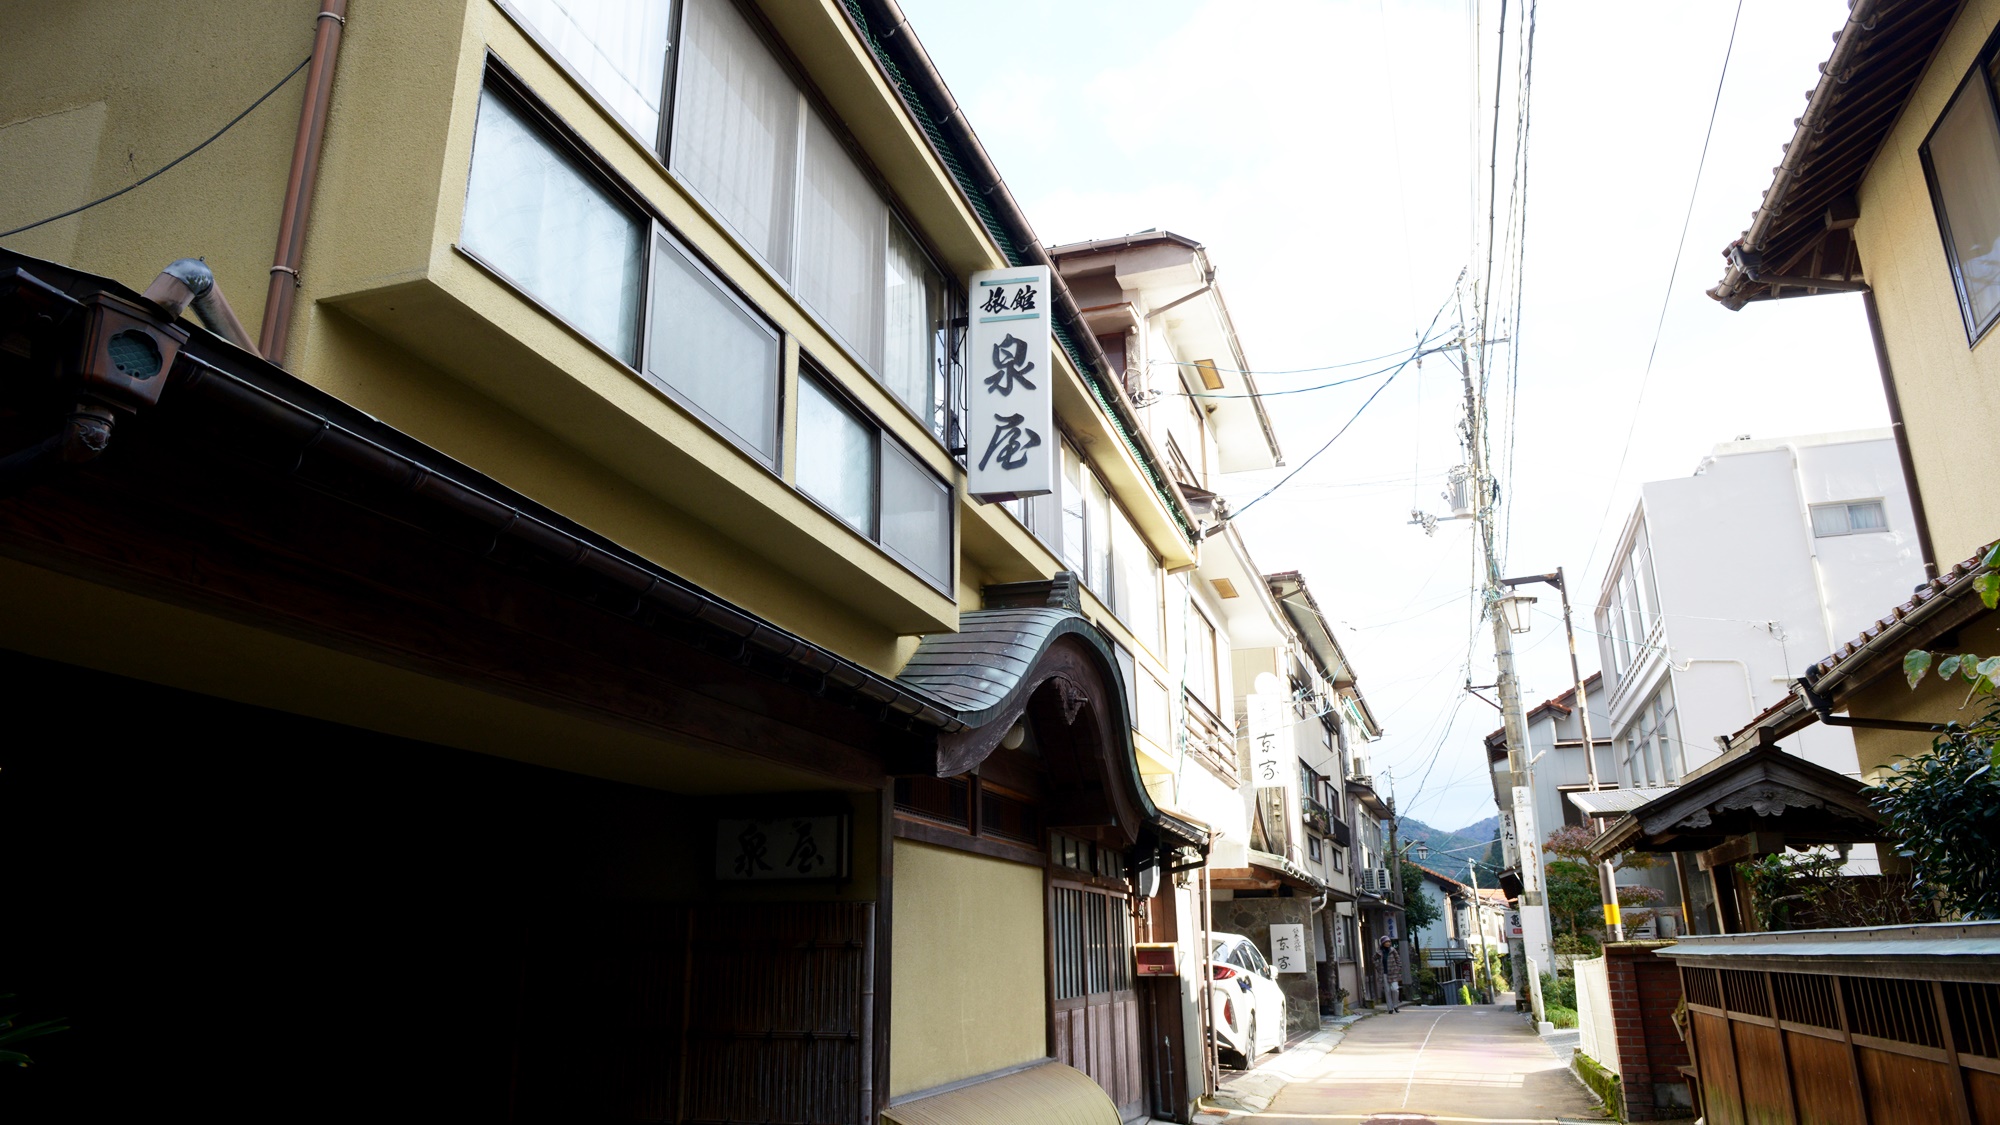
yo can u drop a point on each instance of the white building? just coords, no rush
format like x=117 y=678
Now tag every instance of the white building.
x=1727 y=584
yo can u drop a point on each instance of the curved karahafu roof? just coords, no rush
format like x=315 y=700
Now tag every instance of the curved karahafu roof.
x=1784 y=798
x=1034 y=657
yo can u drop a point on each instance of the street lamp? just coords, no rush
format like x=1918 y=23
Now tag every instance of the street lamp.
x=1423 y=850
x=1517 y=608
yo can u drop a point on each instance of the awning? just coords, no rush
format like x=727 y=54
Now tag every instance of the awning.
x=1049 y=1093
x=1613 y=802
x=1780 y=799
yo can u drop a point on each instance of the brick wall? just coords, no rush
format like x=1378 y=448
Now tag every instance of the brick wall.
x=1645 y=990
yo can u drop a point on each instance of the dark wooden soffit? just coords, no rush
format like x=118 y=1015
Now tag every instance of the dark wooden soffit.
x=1761 y=789
x=1802 y=230
x=247 y=494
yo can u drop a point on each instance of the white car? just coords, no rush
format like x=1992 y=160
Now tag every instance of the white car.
x=1248 y=1005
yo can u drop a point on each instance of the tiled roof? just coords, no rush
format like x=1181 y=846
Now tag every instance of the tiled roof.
x=1956 y=582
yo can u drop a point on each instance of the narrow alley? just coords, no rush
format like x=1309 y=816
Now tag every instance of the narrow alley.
x=1445 y=1065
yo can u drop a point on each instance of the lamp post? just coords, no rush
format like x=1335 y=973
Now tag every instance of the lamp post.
x=1607 y=881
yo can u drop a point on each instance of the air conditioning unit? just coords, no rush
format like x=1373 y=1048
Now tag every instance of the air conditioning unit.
x=1375 y=880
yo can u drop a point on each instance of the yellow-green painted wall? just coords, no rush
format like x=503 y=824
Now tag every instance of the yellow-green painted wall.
x=1950 y=392
x=968 y=964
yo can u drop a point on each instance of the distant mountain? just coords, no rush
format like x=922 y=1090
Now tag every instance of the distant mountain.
x=1483 y=830
x=1449 y=850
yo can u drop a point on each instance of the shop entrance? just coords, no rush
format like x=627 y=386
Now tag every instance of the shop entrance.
x=1093 y=1004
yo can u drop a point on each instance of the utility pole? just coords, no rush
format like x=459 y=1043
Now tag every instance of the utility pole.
x=1607 y=876
x=1535 y=925
x=1479 y=923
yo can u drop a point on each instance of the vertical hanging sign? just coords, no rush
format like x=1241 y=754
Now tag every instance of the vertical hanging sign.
x=1010 y=422
x=1267 y=718
x=1524 y=829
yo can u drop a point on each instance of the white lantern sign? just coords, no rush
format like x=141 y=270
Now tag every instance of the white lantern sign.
x=1010 y=424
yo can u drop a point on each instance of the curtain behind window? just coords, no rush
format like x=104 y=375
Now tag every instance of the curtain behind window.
x=536 y=217
x=1965 y=158
x=842 y=229
x=736 y=128
x=915 y=305
x=618 y=48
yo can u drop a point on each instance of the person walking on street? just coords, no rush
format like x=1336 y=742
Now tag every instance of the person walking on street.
x=1392 y=974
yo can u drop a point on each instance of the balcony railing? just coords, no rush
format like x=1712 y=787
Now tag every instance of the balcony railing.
x=1209 y=742
x=1317 y=816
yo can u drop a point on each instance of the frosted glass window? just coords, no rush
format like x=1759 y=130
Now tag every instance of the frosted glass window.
x=717 y=354
x=736 y=127
x=843 y=228
x=618 y=48
x=534 y=215
x=916 y=514
x=913 y=312
x=1963 y=159
x=1154 y=713
x=836 y=457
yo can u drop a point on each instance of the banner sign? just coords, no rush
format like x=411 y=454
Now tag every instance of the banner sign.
x=1273 y=765
x=1288 y=948
x=1011 y=446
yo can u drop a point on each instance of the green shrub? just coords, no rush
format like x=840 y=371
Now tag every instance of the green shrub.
x=1561 y=1017
x=1558 y=992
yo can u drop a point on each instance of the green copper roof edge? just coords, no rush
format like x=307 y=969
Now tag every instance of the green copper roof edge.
x=948 y=155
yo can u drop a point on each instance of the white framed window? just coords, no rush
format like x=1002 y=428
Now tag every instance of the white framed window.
x=1850 y=517
x=1961 y=159
x=856 y=471
x=534 y=215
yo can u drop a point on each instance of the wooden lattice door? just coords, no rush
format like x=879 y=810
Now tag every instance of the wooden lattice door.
x=1095 y=1007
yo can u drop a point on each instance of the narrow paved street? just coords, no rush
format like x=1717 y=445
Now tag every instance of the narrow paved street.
x=1445 y=1065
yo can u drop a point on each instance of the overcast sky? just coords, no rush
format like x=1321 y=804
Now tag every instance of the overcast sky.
x=1321 y=149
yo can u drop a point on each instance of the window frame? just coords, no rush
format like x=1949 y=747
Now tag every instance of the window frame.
x=1982 y=65
x=659 y=151
x=662 y=230
x=500 y=78
x=1846 y=508
x=810 y=367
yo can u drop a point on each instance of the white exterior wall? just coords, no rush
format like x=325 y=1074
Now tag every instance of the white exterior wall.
x=1747 y=597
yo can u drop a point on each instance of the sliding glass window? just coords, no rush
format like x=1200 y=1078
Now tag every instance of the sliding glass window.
x=535 y=216
x=865 y=477
x=617 y=49
x=1962 y=161
x=713 y=351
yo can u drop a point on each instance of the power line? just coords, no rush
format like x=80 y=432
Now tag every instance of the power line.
x=1412 y=358
x=1666 y=299
x=169 y=164
x=1302 y=390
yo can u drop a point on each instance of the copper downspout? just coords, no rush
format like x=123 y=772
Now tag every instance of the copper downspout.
x=271 y=340
x=1902 y=435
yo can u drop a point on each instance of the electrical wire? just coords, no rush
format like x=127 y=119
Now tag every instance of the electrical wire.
x=1666 y=299
x=169 y=164
x=1415 y=353
x=1303 y=390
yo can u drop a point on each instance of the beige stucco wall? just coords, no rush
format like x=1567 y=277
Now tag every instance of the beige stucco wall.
x=969 y=990
x=1950 y=392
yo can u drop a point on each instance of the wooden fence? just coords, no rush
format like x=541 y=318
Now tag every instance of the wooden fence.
x=1869 y=1027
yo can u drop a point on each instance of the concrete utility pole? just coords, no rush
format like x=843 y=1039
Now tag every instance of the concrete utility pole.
x=1535 y=924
